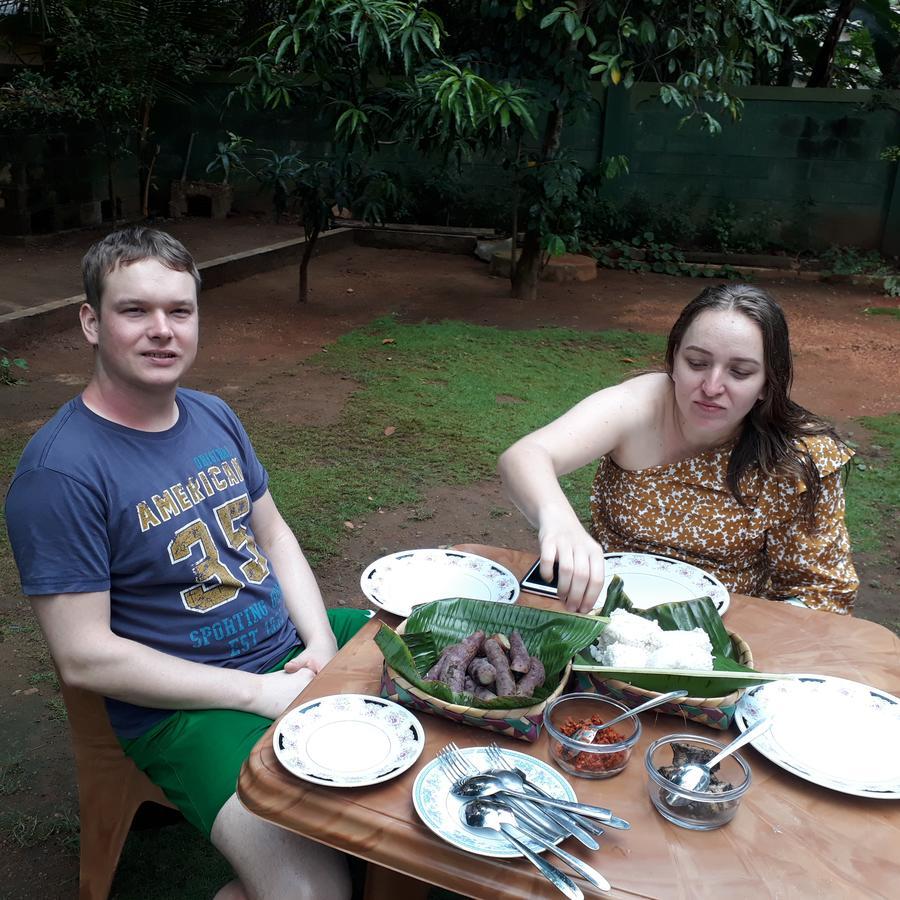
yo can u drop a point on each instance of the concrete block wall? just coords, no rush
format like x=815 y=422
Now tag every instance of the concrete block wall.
x=804 y=162
x=56 y=181
x=806 y=159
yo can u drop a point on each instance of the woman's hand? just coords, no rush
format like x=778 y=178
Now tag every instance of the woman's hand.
x=580 y=558
x=531 y=468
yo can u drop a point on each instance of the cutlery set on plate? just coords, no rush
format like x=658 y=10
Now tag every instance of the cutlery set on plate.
x=501 y=798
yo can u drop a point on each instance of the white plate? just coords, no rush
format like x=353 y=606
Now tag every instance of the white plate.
x=651 y=580
x=440 y=810
x=348 y=740
x=835 y=733
x=402 y=580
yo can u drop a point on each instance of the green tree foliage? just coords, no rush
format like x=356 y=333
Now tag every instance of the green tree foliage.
x=698 y=52
x=355 y=62
x=107 y=62
x=843 y=43
x=504 y=76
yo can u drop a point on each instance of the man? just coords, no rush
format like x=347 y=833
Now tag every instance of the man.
x=160 y=570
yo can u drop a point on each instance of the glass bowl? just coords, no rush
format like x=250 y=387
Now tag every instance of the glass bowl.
x=697 y=810
x=567 y=714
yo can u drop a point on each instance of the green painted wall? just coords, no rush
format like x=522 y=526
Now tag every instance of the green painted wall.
x=802 y=165
x=804 y=162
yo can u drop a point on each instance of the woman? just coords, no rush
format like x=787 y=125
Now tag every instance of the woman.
x=710 y=462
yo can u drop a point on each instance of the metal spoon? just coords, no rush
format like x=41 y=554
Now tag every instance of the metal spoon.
x=576 y=821
x=696 y=776
x=512 y=780
x=506 y=816
x=586 y=735
x=539 y=822
x=486 y=785
x=529 y=787
x=477 y=815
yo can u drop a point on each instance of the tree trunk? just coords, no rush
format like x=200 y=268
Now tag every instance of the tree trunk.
x=514 y=244
x=821 y=70
x=528 y=269
x=311 y=238
x=145 y=205
x=110 y=181
x=514 y=241
x=785 y=71
x=145 y=166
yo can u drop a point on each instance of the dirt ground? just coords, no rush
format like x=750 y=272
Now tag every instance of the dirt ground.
x=254 y=334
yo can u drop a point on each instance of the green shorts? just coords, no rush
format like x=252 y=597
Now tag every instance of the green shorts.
x=195 y=756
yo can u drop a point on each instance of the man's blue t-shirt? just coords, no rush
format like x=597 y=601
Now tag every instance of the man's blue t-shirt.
x=161 y=520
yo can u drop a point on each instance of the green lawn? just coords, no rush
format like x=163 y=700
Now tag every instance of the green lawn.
x=456 y=396
x=873 y=485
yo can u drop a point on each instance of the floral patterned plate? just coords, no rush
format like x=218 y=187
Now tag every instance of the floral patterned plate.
x=402 y=580
x=348 y=740
x=650 y=579
x=836 y=733
x=440 y=810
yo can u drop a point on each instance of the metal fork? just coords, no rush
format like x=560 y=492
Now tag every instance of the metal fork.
x=580 y=827
x=458 y=768
x=454 y=764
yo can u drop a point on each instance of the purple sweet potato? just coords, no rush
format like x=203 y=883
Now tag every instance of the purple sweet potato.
x=519 y=658
x=458 y=658
x=505 y=684
x=532 y=679
x=482 y=671
x=502 y=640
x=437 y=670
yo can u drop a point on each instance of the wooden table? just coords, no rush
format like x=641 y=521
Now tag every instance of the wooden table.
x=789 y=839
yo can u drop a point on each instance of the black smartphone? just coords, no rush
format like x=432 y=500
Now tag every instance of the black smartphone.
x=533 y=582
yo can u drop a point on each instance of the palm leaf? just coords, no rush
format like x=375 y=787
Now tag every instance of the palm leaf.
x=554 y=637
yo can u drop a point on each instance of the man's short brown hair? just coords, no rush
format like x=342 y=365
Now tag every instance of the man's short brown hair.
x=131 y=245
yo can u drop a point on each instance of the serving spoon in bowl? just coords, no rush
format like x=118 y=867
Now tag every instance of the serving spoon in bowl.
x=586 y=734
x=696 y=776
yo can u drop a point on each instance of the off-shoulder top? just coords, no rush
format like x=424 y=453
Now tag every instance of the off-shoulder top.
x=765 y=548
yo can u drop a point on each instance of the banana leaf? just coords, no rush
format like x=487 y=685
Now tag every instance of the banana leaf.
x=727 y=675
x=682 y=615
x=554 y=637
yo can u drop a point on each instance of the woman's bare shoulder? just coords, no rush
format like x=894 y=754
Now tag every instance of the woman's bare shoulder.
x=645 y=394
x=657 y=384
x=625 y=408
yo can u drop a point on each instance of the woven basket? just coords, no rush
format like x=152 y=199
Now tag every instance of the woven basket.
x=523 y=723
x=716 y=712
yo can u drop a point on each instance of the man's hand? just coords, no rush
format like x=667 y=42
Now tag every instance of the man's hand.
x=314 y=657
x=278 y=690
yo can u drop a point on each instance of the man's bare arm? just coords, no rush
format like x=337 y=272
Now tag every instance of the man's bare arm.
x=89 y=655
x=302 y=597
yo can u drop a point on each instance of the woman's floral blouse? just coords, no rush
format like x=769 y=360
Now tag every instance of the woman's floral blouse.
x=765 y=548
